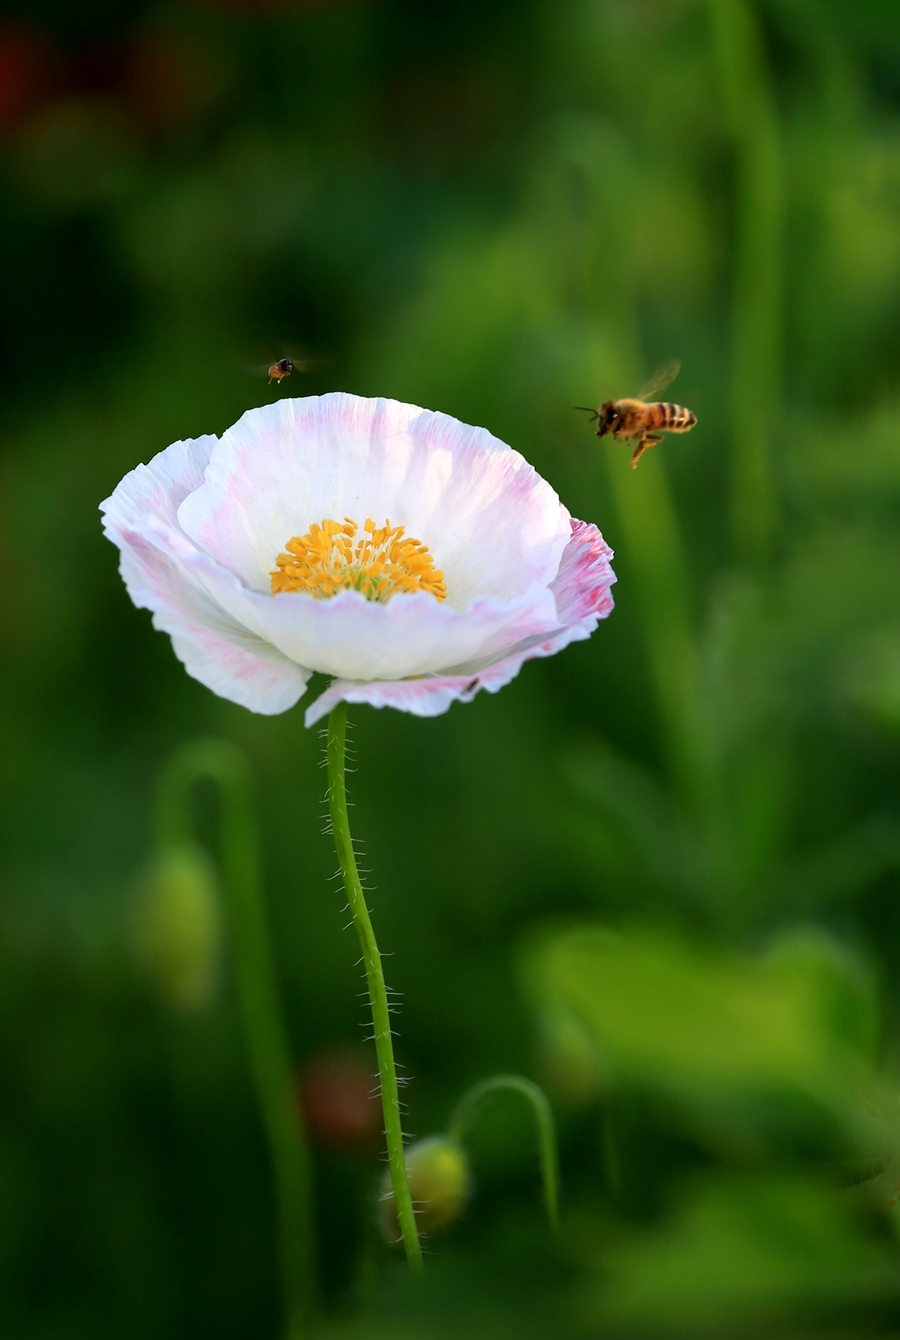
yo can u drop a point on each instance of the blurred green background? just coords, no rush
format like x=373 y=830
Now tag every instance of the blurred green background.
x=659 y=872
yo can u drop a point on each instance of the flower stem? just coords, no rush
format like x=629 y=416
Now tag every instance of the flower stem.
x=262 y=1018
x=468 y=1106
x=381 y=1019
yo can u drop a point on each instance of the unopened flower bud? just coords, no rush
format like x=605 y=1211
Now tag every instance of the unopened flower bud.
x=438 y=1172
x=178 y=928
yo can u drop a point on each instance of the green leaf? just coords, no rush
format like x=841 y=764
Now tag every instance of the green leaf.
x=737 y=1252
x=707 y=1025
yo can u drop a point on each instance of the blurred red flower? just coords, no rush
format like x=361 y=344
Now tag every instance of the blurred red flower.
x=28 y=70
x=339 y=1098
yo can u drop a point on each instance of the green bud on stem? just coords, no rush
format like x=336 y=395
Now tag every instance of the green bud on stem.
x=178 y=927
x=439 y=1182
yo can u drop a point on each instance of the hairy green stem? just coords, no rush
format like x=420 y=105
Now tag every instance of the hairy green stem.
x=470 y=1104
x=262 y=1018
x=336 y=749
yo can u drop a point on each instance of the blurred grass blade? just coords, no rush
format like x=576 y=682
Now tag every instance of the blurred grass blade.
x=758 y=275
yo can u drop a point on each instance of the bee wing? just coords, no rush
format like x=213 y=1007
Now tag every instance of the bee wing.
x=310 y=364
x=660 y=380
x=300 y=365
x=303 y=358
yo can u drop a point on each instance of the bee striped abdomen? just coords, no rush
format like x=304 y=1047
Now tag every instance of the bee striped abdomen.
x=675 y=418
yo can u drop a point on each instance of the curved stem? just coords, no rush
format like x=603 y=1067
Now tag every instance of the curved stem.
x=381 y=1019
x=467 y=1109
x=263 y=1022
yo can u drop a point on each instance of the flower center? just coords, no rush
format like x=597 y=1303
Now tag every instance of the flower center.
x=329 y=558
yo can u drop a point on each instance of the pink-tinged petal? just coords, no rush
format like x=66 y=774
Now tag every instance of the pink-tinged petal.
x=157 y=489
x=214 y=648
x=427 y=697
x=581 y=586
x=582 y=597
x=493 y=525
x=235 y=665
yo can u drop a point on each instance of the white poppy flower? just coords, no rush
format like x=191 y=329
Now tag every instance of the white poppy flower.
x=413 y=558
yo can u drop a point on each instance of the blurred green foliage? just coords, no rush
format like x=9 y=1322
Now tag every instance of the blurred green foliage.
x=658 y=872
x=710 y=1027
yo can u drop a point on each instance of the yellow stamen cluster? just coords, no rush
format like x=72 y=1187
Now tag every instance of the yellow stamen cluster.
x=329 y=558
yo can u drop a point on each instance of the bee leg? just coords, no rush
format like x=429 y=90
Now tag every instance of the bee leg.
x=649 y=441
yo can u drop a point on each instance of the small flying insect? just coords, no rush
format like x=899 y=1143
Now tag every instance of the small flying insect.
x=283 y=367
x=644 y=420
x=277 y=369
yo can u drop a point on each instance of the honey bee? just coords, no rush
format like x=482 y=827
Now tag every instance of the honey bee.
x=644 y=420
x=277 y=371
